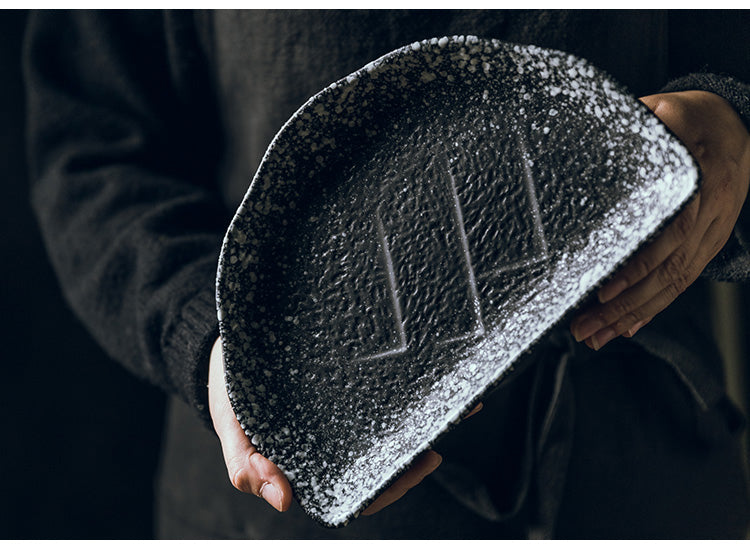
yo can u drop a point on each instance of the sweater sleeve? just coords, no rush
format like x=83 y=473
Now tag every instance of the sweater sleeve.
x=708 y=51
x=122 y=152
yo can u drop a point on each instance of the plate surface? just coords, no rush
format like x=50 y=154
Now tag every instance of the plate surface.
x=411 y=231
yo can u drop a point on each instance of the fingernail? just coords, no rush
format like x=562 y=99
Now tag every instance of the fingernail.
x=272 y=495
x=631 y=332
x=600 y=339
x=474 y=410
x=612 y=290
x=586 y=326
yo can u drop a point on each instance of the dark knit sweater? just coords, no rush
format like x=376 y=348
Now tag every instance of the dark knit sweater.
x=145 y=130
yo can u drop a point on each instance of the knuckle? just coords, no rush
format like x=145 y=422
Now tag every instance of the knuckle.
x=683 y=225
x=681 y=282
x=258 y=464
x=239 y=481
x=620 y=308
x=238 y=475
x=640 y=268
x=627 y=322
x=670 y=107
x=674 y=270
x=666 y=107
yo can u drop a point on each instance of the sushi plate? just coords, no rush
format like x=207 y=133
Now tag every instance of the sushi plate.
x=414 y=230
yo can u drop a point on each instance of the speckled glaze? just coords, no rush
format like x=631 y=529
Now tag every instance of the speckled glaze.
x=413 y=230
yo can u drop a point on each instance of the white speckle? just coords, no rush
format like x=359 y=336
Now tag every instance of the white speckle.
x=427 y=76
x=333 y=494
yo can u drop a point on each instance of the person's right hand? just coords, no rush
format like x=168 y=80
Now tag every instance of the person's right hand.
x=252 y=473
x=716 y=136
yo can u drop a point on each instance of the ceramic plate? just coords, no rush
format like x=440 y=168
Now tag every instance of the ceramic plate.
x=413 y=230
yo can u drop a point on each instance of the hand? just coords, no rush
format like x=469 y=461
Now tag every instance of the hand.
x=250 y=472
x=716 y=136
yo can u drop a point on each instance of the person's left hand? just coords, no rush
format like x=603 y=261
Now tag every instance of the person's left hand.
x=251 y=472
x=650 y=281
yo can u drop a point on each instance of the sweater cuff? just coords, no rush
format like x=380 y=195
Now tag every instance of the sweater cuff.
x=190 y=348
x=736 y=93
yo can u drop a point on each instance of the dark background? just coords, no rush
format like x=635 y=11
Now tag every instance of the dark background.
x=81 y=435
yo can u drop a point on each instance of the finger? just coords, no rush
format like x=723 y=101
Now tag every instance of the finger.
x=639 y=302
x=654 y=254
x=637 y=326
x=651 y=101
x=475 y=410
x=648 y=310
x=671 y=274
x=709 y=245
x=423 y=466
x=600 y=340
x=673 y=280
x=248 y=470
x=613 y=318
x=590 y=341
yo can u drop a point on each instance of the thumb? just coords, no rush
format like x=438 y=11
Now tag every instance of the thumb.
x=248 y=470
x=651 y=101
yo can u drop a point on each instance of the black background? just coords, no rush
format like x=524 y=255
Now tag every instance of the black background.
x=81 y=435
